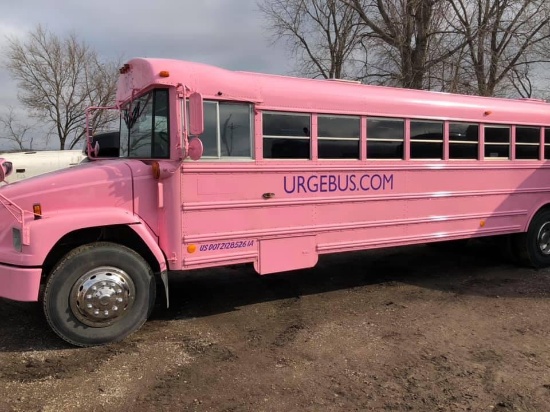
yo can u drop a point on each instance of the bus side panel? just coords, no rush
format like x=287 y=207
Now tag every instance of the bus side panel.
x=230 y=210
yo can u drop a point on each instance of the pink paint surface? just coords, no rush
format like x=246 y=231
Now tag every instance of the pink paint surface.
x=279 y=214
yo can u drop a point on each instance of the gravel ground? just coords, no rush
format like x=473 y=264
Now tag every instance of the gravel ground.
x=412 y=329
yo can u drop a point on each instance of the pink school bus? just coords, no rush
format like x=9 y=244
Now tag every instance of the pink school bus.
x=217 y=167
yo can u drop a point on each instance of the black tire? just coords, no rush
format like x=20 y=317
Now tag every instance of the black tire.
x=124 y=285
x=533 y=247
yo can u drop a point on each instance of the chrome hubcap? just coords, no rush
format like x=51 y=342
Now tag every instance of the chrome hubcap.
x=102 y=296
x=543 y=238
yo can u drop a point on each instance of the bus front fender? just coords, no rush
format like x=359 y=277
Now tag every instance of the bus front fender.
x=46 y=232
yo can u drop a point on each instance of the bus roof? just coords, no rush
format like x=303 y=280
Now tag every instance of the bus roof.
x=294 y=94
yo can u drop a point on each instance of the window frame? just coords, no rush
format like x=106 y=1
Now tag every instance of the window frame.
x=339 y=138
x=289 y=137
x=526 y=144
x=464 y=142
x=403 y=141
x=219 y=156
x=440 y=142
x=485 y=143
x=154 y=103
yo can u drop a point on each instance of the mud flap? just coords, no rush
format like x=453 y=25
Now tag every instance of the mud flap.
x=164 y=277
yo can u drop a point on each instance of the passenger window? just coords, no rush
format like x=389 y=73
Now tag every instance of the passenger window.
x=426 y=140
x=385 y=138
x=547 y=143
x=338 y=137
x=286 y=136
x=497 y=142
x=527 y=142
x=463 y=141
x=227 y=130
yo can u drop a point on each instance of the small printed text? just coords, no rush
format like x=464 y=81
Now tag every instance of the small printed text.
x=226 y=245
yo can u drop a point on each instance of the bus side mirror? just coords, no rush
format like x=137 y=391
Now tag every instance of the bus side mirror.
x=5 y=169
x=196 y=114
x=195 y=148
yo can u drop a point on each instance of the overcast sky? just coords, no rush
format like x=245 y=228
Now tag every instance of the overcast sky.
x=228 y=33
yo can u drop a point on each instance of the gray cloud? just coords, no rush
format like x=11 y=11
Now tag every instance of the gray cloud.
x=227 y=33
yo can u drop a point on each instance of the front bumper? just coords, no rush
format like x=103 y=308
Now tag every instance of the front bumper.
x=20 y=284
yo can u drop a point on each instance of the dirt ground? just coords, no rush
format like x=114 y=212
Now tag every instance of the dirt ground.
x=415 y=329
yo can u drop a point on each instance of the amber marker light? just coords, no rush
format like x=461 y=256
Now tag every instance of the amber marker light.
x=487 y=113
x=155 y=167
x=482 y=223
x=164 y=73
x=191 y=248
x=37 y=210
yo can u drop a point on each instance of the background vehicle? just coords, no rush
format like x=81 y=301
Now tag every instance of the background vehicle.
x=35 y=162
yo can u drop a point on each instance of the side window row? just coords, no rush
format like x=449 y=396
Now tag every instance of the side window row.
x=288 y=136
x=228 y=132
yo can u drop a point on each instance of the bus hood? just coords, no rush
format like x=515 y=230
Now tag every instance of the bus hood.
x=93 y=184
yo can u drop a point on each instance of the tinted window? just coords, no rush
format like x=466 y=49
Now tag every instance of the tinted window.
x=338 y=137
x=497 y=142
x=463 y=151
x=286 y=149
x=527 y=142
x=331 y=126
x=286 y=125
x=385 y=138
x=286 y=136
x=426 y=140
x=528 y=135
x=338 y=149
x=497 y=134
x=527 y=152
x=463 y=140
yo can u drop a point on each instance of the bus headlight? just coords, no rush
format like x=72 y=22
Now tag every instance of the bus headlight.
x=16 y=233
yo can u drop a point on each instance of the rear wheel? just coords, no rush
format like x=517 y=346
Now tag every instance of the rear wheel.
x=533 y=247
x=98 y=294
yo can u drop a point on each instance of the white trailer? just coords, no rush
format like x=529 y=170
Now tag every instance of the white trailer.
x=32 y=163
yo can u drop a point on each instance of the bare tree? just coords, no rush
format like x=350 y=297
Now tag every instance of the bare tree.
x=413 y=37
x=323 y=35
x=504 y=39
x=58 y=79
x=15 y=132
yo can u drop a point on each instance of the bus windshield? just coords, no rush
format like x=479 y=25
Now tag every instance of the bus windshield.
x=144 y=131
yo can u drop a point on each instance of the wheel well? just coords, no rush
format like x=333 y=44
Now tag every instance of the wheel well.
x=121 y=234
x=539 y=210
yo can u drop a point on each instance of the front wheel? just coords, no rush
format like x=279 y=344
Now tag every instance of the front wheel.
x=99 y=293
